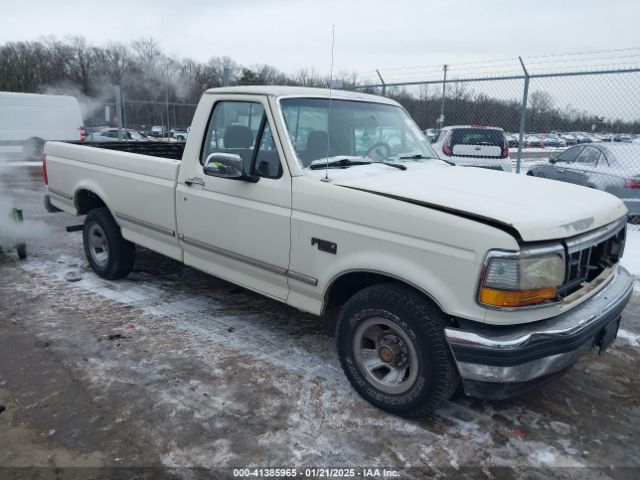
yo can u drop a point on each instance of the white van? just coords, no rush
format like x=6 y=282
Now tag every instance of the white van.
x=27 y=120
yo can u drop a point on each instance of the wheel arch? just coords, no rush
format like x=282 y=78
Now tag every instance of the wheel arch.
x=345 y=284
x=86 y=199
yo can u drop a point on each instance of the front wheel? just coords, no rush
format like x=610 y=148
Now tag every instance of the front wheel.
x=392 y=349
x=109 y=254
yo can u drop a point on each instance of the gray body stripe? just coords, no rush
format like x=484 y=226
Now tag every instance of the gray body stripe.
x=250 y=261
x=150 y=226
x=302 y=278
x=60 y=194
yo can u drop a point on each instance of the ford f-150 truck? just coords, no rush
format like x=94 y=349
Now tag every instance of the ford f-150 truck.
x=442 y=276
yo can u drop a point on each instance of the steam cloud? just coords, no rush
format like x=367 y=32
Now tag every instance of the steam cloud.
x=12 y=232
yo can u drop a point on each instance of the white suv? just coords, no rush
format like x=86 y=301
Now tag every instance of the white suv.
x=474 y=146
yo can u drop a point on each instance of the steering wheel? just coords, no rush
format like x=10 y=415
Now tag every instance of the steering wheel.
x=375 y=146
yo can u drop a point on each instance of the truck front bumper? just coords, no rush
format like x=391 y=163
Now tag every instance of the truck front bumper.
x=499 y=362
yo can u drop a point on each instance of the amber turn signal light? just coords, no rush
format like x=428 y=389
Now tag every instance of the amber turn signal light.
x=516 y=298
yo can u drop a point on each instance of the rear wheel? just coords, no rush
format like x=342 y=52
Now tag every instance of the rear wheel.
x=33 y=149
x=392 y=349
x=109 y=254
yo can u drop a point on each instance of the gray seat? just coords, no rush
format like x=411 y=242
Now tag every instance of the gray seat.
x=238 y=136
x=317 y=143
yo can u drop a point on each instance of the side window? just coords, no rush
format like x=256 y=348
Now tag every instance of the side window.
x=235 y=127
x=568 y=155
x=589 y=155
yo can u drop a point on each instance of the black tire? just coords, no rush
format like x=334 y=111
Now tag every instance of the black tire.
x=531 y=174
x=417 y=319
x=101 y=234
x=22 y=251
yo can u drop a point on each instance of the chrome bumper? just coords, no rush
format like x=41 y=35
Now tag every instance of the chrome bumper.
x=500 y=362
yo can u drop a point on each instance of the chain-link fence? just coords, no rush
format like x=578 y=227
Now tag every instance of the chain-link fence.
x=560 y=120
x=140 y=116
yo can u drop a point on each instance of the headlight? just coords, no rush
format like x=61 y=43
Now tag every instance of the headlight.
x=520 y=279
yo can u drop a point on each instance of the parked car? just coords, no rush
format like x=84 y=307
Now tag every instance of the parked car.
x=158 y=131
x=443 y=276
x=570 y=138
x=474 y=146
x=534 y=141
x=145 y=135
x=27 y=120
x=583 y=137
x=554 y=141
x=180 y=134
x=611 y=168
x=513 y=140
x=622 y=137
x=111 y=135
x=431 y=134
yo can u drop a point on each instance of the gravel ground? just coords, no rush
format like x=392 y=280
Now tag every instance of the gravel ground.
x=174 y=373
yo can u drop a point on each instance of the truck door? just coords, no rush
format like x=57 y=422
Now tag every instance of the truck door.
x=235 y=229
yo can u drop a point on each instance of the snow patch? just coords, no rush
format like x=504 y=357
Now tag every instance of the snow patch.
x=631 y=338
x=631 y=257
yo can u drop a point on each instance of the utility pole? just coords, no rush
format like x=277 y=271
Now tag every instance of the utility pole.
x=226 y=76
x=384 y=85
x=445 y=67
x=167 y=113
x=523 y=114
x=119 y=111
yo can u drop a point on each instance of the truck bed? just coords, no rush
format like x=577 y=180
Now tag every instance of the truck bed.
x=136 y=180
x=171 y=150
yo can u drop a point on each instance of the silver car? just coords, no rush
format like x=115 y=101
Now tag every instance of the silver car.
x=609 y=167
x=111 y=135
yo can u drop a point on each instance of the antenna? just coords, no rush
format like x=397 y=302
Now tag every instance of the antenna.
x=333 y=42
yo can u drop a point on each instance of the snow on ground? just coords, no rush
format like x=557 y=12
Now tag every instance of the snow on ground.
x=325 y=419
x=18 y=163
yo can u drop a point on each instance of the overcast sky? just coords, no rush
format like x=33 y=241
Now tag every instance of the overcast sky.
x=369 y=33
x=375 y=34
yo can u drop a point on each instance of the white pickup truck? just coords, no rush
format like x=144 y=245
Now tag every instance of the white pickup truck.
x=443 y=276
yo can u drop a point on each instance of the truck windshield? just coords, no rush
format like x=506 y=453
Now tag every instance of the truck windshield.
x=375 y=131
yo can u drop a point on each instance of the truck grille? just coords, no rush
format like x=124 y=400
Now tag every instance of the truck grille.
x=589 y=255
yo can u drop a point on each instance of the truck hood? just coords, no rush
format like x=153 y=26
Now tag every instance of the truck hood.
x=533 y=208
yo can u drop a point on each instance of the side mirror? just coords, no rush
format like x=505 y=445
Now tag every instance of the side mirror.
x=227 y=165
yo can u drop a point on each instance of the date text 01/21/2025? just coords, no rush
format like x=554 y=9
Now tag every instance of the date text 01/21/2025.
x=315 y=473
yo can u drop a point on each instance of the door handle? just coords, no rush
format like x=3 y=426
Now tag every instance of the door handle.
x=189 y=182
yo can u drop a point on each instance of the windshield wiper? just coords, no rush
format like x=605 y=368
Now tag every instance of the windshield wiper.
x=391 y=164
x=346 y=162
x=419 y=156
x=336 y=163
